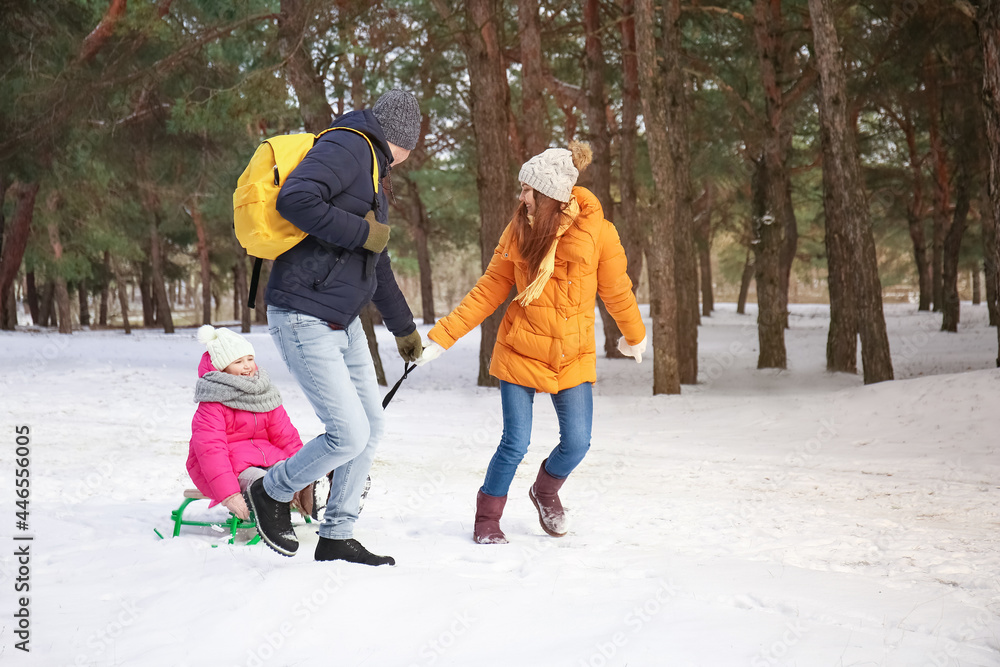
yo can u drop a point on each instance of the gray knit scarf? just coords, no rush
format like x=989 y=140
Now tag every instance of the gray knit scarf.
x=253 y=394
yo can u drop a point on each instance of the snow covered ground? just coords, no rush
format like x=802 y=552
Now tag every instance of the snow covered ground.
x=761 y=518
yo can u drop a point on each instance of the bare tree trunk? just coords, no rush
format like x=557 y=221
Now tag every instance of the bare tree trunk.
x=990 y=259
x=773 y=54
x=663 y=293
x=81 y=292
x=598 y=175
x=146 y=295
x=916 y=227
x=914 y=215
x=46 y=311
x=595 y=107
x=685 y=257
x=772 y=202
x=237 y=294
x=242 y=289
x=842 y=339
x=703 y=240
x=951 y=306
x=293 y=22
x=31 y=296
x=122 y=289
x=489 y=97
x=416 y=215
x=8 y=303
x=65 y=322
x=59 y=281
x=977 y=288
x=16 y=238
x=629 y=223
x=102 y=317
x=705 y=269
x=8 y=314
x=204 y=262
x=157 y=280
x=368 y=315
x=533 y=130
x=767 y=273
x=847 y=202
x=988 y=29
x=748 y=274
x=942 y=194
x=968 y=162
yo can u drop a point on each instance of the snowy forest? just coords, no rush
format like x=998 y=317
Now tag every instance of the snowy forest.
x=802 y=471
x=826 y=152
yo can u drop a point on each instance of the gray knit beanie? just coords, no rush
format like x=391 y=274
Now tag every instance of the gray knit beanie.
x=554 y=171
x=399 y=115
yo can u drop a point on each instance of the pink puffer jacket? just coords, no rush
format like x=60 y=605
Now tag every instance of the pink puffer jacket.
x=225 y=442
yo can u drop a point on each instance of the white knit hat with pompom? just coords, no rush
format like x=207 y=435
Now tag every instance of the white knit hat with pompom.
x=554 y=171
x=224 y=346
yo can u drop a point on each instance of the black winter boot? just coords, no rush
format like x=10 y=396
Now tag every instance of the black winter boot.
x=274 y=519
x=350 y=550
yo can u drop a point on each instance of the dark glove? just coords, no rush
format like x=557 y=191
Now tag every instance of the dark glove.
x=410 y=346
x=378 y=234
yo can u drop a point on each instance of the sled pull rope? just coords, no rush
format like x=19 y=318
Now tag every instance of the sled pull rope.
x=395 y=387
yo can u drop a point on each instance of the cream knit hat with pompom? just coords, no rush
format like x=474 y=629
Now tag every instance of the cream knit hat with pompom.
x=554 y=171
x=224 y=346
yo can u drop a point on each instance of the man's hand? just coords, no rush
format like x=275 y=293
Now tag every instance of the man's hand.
x=378 y=234
x=410 y=346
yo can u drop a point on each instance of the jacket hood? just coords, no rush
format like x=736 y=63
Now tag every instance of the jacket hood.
x=365 y=121
x=590 y=205
x=206 y=365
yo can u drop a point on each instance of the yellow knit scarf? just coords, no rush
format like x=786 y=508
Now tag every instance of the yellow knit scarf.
x=548 y=263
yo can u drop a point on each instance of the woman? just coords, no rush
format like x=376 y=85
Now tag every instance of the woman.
x=560 y=252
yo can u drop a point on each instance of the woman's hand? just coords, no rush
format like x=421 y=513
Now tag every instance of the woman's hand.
x=237 y=506
x=635 y=351
x=431 y=352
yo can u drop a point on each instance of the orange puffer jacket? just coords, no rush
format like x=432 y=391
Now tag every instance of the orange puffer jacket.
x=549 y=344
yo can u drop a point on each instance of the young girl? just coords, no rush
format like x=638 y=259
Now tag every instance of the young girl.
x=560 y=252
x=240 y=427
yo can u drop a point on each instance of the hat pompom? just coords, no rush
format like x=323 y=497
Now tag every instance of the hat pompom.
x=582 y=154
x=206 y=334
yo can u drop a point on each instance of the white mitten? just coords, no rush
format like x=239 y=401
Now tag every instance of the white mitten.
x=635 y=351
x=431 y=352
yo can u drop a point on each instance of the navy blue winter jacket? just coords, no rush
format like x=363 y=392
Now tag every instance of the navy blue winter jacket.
x=328 y=274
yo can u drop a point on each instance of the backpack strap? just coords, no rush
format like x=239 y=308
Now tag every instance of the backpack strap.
x=254 y=279
x=375 y=178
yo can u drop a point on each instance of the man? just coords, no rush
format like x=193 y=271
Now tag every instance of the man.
x=315 y=295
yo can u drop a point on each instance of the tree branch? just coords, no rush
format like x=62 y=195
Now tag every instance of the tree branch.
x=100 y=35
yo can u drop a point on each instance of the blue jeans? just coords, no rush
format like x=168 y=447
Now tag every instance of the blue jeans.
x=575 y=411
x=335 y=371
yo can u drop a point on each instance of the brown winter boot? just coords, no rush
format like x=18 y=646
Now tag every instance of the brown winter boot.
x=545 y=494
x=488 y=512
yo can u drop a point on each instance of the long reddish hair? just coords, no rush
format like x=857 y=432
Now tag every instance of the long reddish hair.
x=534 y=240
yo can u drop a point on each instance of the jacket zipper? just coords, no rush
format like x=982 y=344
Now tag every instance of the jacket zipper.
x=262 y=454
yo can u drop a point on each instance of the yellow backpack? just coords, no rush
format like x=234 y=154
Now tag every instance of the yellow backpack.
x=259 y=227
